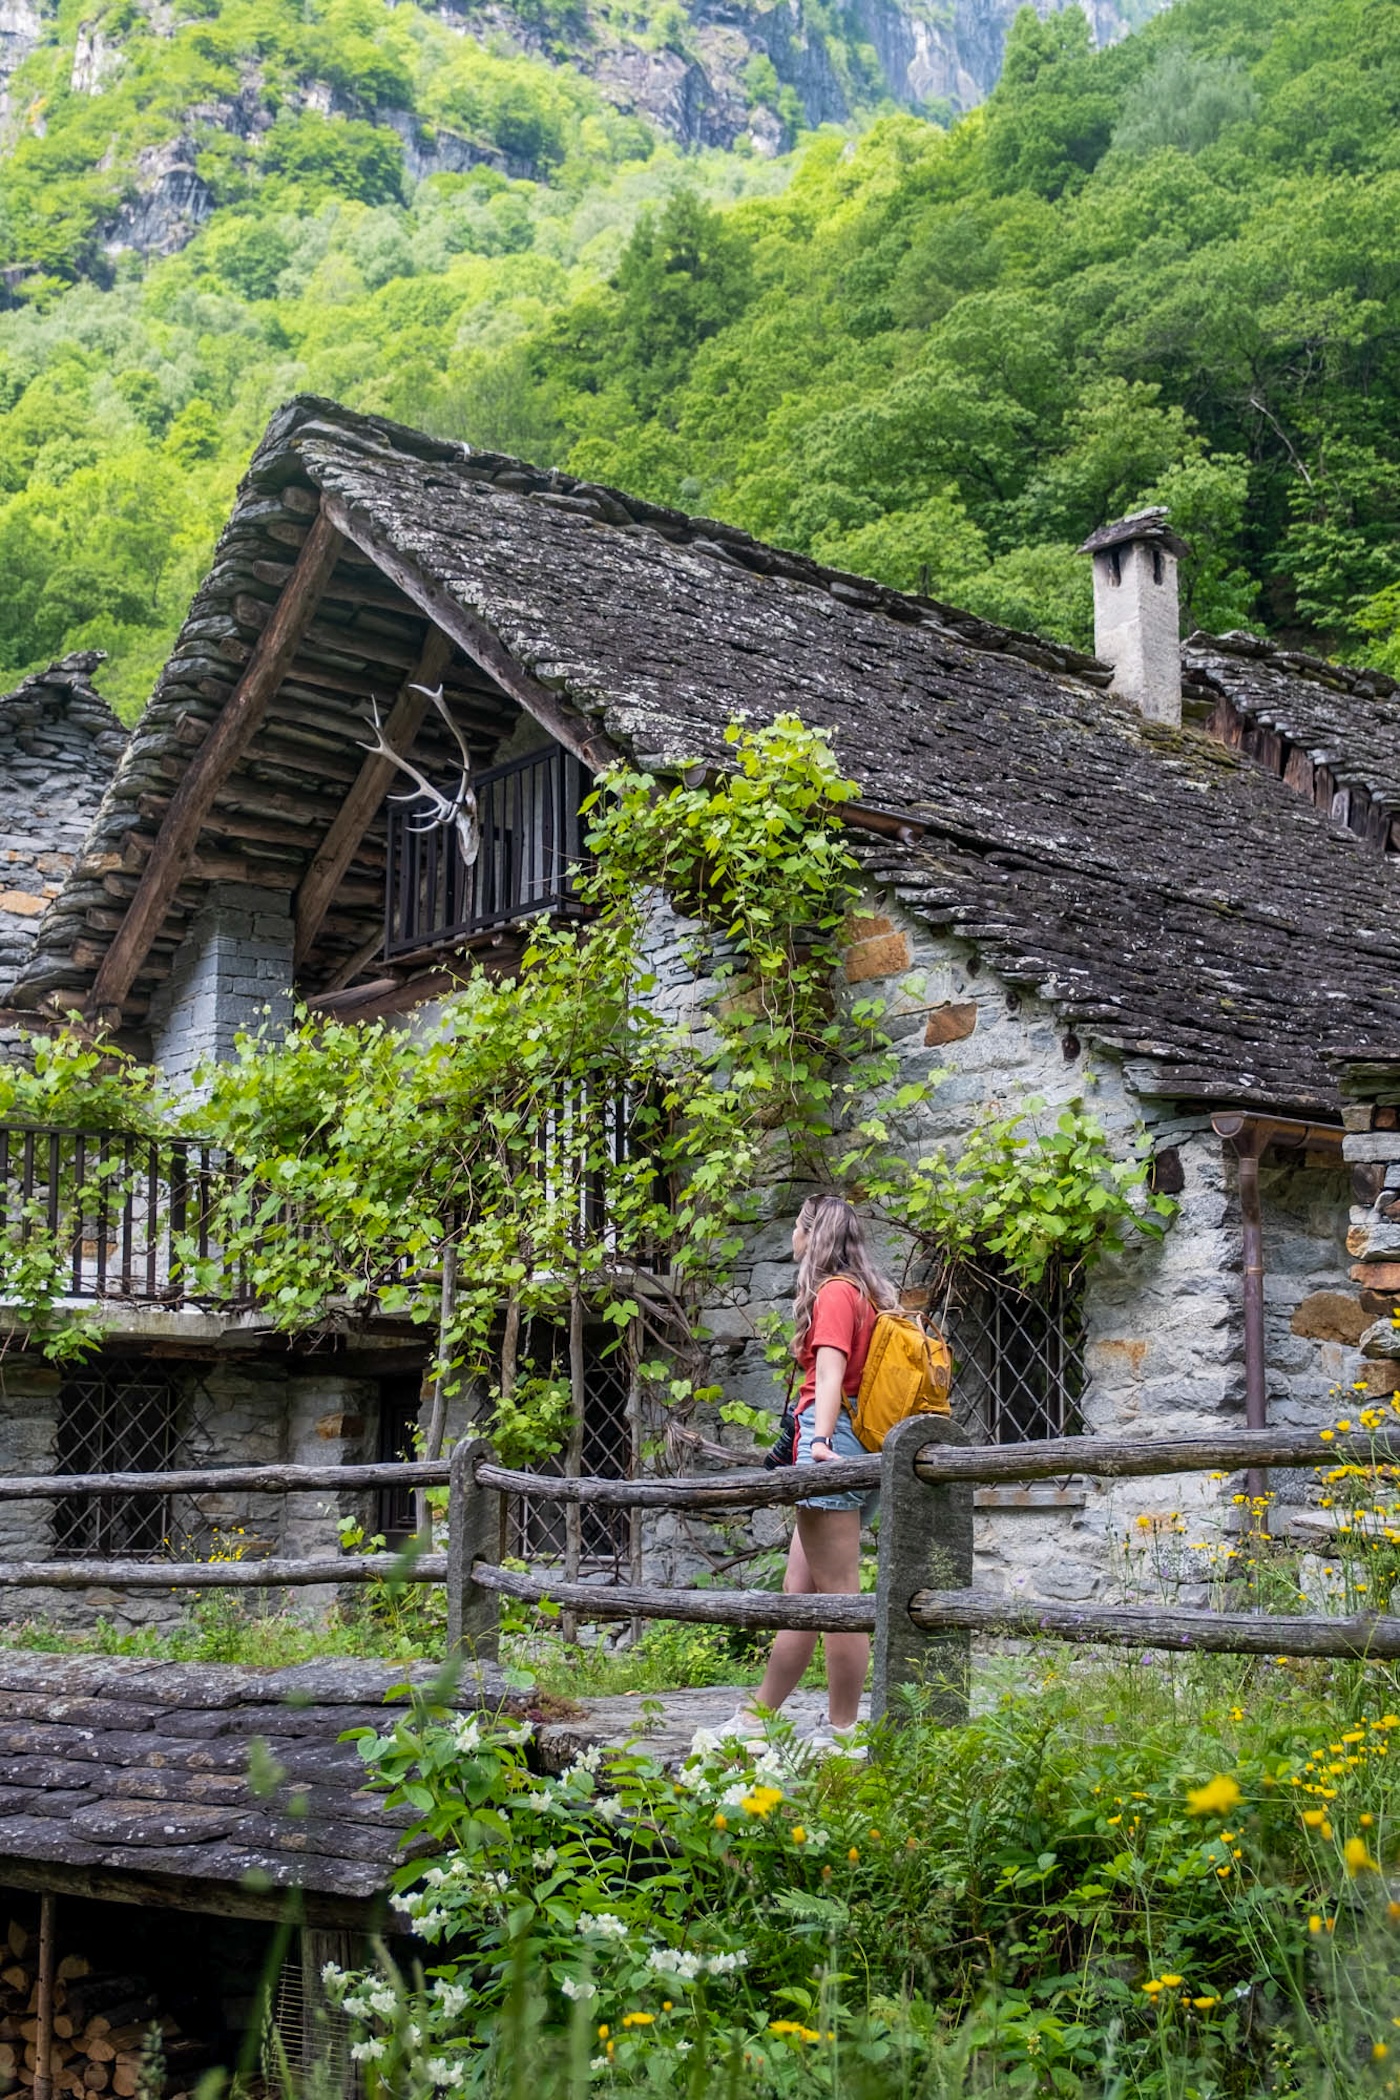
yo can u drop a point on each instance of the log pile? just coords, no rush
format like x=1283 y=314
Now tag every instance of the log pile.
x=109 y=2035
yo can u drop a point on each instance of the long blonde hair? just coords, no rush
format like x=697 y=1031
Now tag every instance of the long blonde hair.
x=835 y=1247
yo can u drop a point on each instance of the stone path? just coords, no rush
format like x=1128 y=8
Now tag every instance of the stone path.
x=666 y=1726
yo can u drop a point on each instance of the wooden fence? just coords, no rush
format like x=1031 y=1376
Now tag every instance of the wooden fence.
x=922 y=1613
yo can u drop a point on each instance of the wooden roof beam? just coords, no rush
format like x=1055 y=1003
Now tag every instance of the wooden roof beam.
x=475 y=639
x=336 y=851
x=213 y=761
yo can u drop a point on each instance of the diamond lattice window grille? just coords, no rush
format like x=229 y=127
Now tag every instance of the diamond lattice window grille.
x=116 y=1418
x=536 y=1529
x=1018 y=1358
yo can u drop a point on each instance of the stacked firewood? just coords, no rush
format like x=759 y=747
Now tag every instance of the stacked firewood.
x=102 y=2027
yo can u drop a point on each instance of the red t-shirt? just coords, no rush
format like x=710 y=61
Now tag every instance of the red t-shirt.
x=842 y=1318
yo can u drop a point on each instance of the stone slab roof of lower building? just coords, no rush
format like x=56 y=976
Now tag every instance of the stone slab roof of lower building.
x=59 y=746
x=1328 y=730
x=118 y=1765
x=1175 y=902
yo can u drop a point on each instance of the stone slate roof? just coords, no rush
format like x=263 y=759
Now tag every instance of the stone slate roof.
x=119 y=1764
x=1176 y=902
x=1326 y=729
x=59 y=746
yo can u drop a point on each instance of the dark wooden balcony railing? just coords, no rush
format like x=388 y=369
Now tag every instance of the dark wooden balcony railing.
x=531 y=846
x=128 y=1215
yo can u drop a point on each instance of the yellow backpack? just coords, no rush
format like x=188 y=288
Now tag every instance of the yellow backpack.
x=908 y=1371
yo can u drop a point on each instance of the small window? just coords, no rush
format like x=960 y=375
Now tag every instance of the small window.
x=1115 y=566
x=116 y=1419
x=537 y=1529
x=1159 y=567
x=1018 y=1359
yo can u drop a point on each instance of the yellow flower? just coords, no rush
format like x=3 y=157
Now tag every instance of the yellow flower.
x=853 y=1856
x=1173 y=1983
x=666 y=2005
x=799 y=1835
x=639 y=2019
x=1314 y=1817
x=1358 y=1858
x=1314 y=1923
x=1152 y=1986
x=1367 y=1821
x=604 y=2031
x=1204 y=2004
x=761 y=1801
x=1326 y=1435
x=1379 y=2052
x=1216 y=1798
x=1223 y=1872
x=1392 y=1911
x=721 y=1821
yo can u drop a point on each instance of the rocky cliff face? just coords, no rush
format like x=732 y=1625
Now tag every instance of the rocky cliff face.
x=701 y=88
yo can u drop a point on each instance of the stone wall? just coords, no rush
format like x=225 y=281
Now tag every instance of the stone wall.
x=59 y=746
x=241 y=1412
x=233 y=967
x=1164 y=1349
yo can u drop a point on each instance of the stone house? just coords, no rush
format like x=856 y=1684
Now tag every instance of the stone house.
x=1160 y=882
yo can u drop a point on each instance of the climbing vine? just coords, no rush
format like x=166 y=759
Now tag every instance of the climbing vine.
x=600 y=1130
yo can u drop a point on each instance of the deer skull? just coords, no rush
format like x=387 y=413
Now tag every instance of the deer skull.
x=456 y=813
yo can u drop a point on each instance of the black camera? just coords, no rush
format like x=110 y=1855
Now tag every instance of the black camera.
x=784 y=1451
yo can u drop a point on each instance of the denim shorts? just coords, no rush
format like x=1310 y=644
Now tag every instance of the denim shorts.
x=846 y=1444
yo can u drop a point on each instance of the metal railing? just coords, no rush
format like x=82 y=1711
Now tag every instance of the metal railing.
x=126 y=1217
x=924 y=1609
x=531 y=847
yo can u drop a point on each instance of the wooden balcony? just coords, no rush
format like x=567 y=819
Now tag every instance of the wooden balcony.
x=531 y=848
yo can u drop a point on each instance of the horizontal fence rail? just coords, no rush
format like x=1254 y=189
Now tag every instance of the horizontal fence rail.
x=923 y=1613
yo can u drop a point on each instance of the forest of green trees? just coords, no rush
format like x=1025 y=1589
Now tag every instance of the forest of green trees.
x=1163 y=272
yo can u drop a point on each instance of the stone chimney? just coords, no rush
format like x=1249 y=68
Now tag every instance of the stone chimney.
x=1135 y=611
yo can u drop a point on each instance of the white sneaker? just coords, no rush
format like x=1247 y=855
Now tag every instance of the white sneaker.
x=742 y=1727
x=827 y=1740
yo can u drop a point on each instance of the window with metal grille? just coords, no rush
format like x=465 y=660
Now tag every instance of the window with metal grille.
x=536 y=1529
x=1018 y=1358
x=116 y=1418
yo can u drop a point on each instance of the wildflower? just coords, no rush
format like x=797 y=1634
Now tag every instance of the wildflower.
x=1314 y=1923
x=368 y=2052
x=1152 y=1986
x=666 y=2005
x=604 y=2031
x=1379 y=2052
x=579 y=1992
x=671 y=1961
x=1313 y=1817
x=799 y=1835
x=721 y=1820
x=726 y=1964
x=1392 y=1911
x=1173 y=1983
x=874 y=1837
x=1216 y=1798
x=543 y=1861
x=639 y=2019
x=1204 y=2004
x=1358 y=1858
x=762 y=1801
x=1223 y=1872
x=854 y=1856
x=603 y=1926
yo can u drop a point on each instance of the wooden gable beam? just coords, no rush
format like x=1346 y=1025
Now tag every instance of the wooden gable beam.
x=226 y=742
x=337 y=849
x=475 y=639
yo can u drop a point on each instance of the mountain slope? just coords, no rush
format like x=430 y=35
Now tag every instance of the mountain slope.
x=1162 y=271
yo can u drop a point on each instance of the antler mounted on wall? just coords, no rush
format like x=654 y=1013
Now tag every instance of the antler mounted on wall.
x=456 y=813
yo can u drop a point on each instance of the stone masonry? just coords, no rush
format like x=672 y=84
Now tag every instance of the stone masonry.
x=232 y=971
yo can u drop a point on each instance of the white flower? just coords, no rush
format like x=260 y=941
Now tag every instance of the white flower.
x=452 y=1999
x=443 y=2071
x=610 y=1808
x=587 y=1761
x=543 y=1861
x=726 y=1964
x=368 y=2052
x=466 y=1736
x=382 y=2001
x=602 y=1925
x=733 y=1795
x=671 y=1961
x=332 y=1978
x=539 y=1801
x=579 y=1992
x=412 y=2034
x=600 y=2063
x=500 y=1882
x=684 y=2048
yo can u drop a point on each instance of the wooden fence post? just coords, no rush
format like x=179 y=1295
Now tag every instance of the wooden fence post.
x=925 y=1543
x=474 y=1533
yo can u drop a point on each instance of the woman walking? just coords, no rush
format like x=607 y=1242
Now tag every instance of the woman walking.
x=839 y=1293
